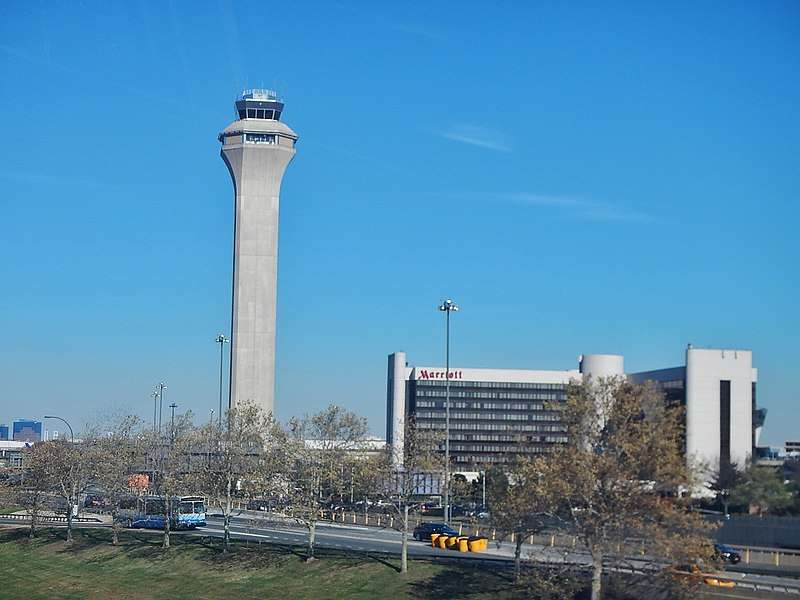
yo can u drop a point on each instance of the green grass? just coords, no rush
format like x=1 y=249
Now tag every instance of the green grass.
x=7 y=510
x=138 y=568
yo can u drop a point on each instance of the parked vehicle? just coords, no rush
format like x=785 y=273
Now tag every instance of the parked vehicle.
x=432 y=509
x=423 y=531
x=258 y=504
x=727 y=553
x=95 y=501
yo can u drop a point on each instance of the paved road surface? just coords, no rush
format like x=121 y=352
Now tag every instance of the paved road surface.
x=371 y=539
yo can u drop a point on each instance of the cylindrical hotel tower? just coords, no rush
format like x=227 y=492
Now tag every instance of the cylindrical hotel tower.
x=256 y=148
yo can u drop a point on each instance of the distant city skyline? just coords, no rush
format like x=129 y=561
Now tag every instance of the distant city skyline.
x=619 y=179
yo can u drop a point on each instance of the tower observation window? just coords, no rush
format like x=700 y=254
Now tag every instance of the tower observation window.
x=260 y=113
x=260 y=138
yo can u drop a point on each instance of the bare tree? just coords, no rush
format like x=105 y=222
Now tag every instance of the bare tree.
x=169 y=456
x=321 y=451
x=400 y=484
x=117 y=452
x=68 y=469
x=620 y=475
x=29 y=486
x=526 y=507
x=246 y=459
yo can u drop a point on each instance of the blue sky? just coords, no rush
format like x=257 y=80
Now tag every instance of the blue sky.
x=619 y=178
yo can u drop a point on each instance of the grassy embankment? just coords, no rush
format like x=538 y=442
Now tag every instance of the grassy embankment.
x=139 y=569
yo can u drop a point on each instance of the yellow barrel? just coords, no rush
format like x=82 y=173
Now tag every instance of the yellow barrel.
x=463 y=544
x=434 y=538
x=442 y=541
x=452 y=542
x=477 y=544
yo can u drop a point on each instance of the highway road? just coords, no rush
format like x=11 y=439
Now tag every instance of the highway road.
x=370 y=539
x=361 y=539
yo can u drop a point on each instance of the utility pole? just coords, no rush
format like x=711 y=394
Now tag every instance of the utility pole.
x=221 y=340
x=447 y=307
x=173 y=406
x=210 y=433
x=161 y=387
x=154 y=395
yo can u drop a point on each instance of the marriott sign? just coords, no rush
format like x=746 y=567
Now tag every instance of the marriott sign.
x=432 y=374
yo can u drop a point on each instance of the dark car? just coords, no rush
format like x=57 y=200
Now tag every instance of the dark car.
x=727 y=554
x=423 y=531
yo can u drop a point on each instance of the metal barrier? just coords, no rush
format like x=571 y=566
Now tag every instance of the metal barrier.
x=50 y=519
x=769 y=556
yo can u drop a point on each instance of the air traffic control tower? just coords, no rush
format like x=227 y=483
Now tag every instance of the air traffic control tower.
x=256 y=148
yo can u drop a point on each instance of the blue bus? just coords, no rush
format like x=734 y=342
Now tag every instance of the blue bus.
x=192 y=510
x=188 y=512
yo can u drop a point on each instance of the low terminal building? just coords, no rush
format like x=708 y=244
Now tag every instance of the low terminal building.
x=498 y=413
x=11 y=453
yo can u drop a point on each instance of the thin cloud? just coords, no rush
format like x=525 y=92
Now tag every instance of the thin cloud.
x=477 y=135
x=581 y=208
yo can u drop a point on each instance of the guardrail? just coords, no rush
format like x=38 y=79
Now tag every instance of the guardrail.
x=50 y=519
x=769 y=556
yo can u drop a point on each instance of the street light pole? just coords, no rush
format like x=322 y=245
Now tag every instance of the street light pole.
x=155 y=409
x=447 y=307
x=161 y=388
x=71 y=435
x=221 y=340
x=173 y=406
x=210 y=430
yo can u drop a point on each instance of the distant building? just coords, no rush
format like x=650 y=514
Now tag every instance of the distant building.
x=366 y=448
x=27 y=431
x=11 y=453
x=3 y=432
x=495 y=413
x=718 y=388
x=793 y=448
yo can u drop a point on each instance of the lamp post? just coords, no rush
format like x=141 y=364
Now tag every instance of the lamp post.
x=71 y=435
x=210 y=431
x=447 y=307
x=221 y=340
x=160 y=387
x=154 y=395
x=173 y=406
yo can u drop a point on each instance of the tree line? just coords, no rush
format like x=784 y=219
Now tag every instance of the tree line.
x=621 y=485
